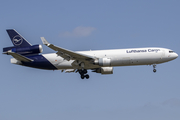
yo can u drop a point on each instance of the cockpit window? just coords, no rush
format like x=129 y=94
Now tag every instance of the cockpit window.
x=171 y=51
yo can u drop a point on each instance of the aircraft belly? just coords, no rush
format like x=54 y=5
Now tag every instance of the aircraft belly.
x=39 y=61
x=65 y=65
x=146 y=59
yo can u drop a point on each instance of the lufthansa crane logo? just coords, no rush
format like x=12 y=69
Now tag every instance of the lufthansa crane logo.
x=17 y=40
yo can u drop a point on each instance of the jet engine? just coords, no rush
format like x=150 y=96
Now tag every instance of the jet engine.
x=103 y=62
x=104 y=70
x=35 y=49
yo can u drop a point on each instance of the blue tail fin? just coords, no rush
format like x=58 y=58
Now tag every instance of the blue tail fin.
x=17 y=39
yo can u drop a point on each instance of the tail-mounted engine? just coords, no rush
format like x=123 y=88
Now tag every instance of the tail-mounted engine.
x=102 y=62
x=104 y=70
x=35 y=49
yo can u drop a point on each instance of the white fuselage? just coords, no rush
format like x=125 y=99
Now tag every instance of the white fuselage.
x=118 y=57
x=99 y=61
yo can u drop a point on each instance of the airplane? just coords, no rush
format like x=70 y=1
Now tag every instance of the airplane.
x=99 y=61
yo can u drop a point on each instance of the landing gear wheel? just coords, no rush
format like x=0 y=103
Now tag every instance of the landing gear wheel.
x=154 y=68
x=87 y=76
x=82 y=76
x=84 y=71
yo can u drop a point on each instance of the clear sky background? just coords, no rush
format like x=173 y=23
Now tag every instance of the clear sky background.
x=131 y=93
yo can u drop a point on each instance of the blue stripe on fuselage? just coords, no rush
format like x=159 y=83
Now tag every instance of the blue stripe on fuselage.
x=39 y=62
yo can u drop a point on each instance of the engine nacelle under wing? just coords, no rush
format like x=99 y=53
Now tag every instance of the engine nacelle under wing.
x=104 y=70
x=103 y=62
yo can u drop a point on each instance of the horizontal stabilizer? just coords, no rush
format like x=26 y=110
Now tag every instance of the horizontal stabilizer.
x=19 y=57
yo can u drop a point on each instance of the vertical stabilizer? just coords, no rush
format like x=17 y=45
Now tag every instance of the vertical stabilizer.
x=17 y=39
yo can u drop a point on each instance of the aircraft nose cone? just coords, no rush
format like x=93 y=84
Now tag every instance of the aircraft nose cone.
x=173 y=56
x=176 y=55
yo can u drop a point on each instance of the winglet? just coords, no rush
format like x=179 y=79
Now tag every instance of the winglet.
x=45 y=42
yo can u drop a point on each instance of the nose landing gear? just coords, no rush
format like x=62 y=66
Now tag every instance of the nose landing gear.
x=154 y=68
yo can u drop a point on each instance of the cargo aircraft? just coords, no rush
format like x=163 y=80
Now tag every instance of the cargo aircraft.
x=99 y=61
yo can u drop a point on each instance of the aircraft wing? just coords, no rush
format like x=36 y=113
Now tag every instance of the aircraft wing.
x=19 y=57
x=66 y=54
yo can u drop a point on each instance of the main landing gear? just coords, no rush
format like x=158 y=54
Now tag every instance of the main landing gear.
x=83 y=74
x=154 y=68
